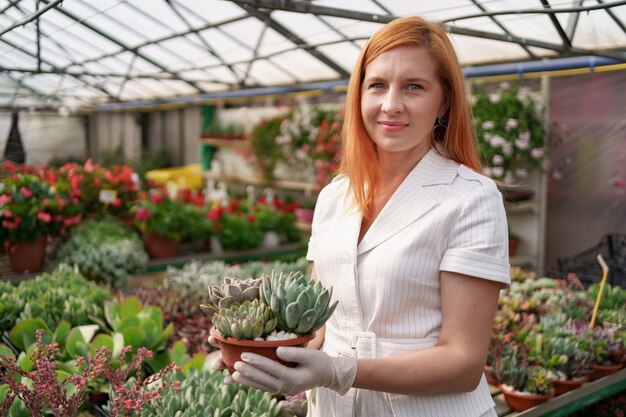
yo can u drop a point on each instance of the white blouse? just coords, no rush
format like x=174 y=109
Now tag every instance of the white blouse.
x=443 y=217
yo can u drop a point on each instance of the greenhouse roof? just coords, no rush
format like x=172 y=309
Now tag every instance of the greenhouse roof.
x=83 y=53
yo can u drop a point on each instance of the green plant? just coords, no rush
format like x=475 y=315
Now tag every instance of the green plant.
x=196 y=276
x=63 y=294
x=239 y=231
x=248 y=320
x=539 y=380
x=301 y=305
x=510 y=366
x=265 y=152
x=32 y=206
x=203 y=393
x=579 y=362
x=105 y=250
x=232 y=291
x=510 y=132
x=158 y=214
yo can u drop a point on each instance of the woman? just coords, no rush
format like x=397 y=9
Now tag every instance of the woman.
x=413 y=240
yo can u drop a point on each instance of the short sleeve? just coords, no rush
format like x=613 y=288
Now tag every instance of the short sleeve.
x=478 y=241
x=310 y=253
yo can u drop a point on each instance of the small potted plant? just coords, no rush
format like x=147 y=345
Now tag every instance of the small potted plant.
x=259 y=315
x=573 y=372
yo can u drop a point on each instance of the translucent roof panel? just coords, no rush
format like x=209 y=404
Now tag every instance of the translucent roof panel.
x=91 y=52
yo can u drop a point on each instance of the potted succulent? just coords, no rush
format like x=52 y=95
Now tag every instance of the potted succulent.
x=259 y=315
x=573 y=372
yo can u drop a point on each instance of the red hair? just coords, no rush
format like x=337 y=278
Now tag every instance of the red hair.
x=359 y=159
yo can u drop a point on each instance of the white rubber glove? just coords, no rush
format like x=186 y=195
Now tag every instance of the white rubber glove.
x=218 y=365
x=314 y=369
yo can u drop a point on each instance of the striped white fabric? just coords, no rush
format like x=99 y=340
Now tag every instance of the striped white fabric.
x=443 y=217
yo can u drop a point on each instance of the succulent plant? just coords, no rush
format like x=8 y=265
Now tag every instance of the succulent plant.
x=300 y=305
x=510 y=367
x=248 y=320
x=539 y=380
x=233 y=291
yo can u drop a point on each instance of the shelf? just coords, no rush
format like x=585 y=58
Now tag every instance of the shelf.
x=523 y=259
x=521 y=207
x=244 y=179
x=223 y=143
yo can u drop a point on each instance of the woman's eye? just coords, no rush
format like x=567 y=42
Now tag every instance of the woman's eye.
x=415 y=87
x=376 y=85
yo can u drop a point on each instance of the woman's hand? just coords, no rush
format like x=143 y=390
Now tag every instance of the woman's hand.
x=314 y=369
x=218 y=365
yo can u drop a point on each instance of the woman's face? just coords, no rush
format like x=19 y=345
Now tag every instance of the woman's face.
x=401 y=96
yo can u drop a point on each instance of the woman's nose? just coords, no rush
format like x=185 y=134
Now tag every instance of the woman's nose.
x=392 y=102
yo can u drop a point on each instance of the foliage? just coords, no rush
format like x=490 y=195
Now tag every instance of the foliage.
x=148 y=160
x=203 y=393
x=246 y=320
x=106 y=251
x=158 y=214
x=233 y=291
x=236 y=230
x=196 y=276
x=32 y=206
x=63 y=294
x=87 y=181
x=510 y=132
x=265 y=152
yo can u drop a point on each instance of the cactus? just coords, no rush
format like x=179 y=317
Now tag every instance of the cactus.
x=233 y=291
x=248 y=320
x=301 y=305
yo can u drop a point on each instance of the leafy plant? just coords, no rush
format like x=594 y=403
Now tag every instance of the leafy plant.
x=239 y=231
x=265 y=152
x=105 y=250
x=63 y=294
x=196 y=276
x=248 y=320
x=510 y=132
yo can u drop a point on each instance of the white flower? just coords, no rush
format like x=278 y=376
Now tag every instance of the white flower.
x=521 y=144
x=511 y=124
x=507 y=149
x=497 y=141
x=488 y=125
x=497 y=171
x=494 y=97
x=521 y=173
x=300 y=154
x=509 y=178
x=497 y=160
x=505 y=85
x=487 y=171
x=523 y=93
x=283 y=139
x=537 y=153
x=525 y=135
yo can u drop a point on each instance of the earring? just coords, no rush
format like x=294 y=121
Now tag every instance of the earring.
x=437 y=137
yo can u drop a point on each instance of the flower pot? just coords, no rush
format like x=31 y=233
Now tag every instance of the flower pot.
x=600 y=371
x=513 y=245
x=233 y=348
x=489 y=376
x=567 y=385
x=27 y=256
x=304 y=215
x=159 y=246
x=523 y=401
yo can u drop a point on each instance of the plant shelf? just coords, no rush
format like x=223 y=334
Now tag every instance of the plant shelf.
x=245 y=179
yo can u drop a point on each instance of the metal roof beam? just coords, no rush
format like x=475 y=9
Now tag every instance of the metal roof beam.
x=20 y=84
x=32 y=17
x=614 y=17
x=557 y=25
x=573 y=22
x=158 y=40
x=94 y=86
x=12 y=3
x=263 y=16
x=501 y=26
x=133 y=50
x=204 y=42
x=239 y=41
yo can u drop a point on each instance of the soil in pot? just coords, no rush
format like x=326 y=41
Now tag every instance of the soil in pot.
x=233 y=348
x=567 y=385
x=522 y=401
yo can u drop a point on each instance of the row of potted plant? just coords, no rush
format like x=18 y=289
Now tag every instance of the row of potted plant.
x=542 y=343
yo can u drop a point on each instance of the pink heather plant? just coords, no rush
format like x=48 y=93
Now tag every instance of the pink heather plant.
x=46 y=394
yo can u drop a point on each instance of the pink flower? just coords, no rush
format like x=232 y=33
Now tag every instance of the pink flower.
x=89 y=166
x=26 y=192
x=5 y=199
x=7 y=213
x=213 y=215
x=9 y=225
x=43 y=216
x=156 y=199
x=143 y=214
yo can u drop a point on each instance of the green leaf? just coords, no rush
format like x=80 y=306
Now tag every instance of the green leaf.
x=60 y=334
x=6 y=351
x=179 y=353
x=196 y=362
x=132 y=321
x=74 y=337
x=100 y=341
x=153 y=313
x=24 y=333
x=134 y=336
x=130 y=307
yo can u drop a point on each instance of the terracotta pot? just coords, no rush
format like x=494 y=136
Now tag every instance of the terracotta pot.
x=489 y=376
x=561 y=387
x=27 y=256
x=521 y=401
x=304 y=215
x=233 y=348
x=513 y=245
x=600 y=371
x=159 y=246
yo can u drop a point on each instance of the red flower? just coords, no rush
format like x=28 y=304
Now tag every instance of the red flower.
x=5 y=199
x=117 y=202
x=143 y=214
x=9 y=225
x=26 y=192
x=156 y=198
x=44 y=217
x=251 y=218
x=214 y=215
x=7 y=213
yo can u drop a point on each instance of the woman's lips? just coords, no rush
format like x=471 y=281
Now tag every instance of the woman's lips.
x=391 y=126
